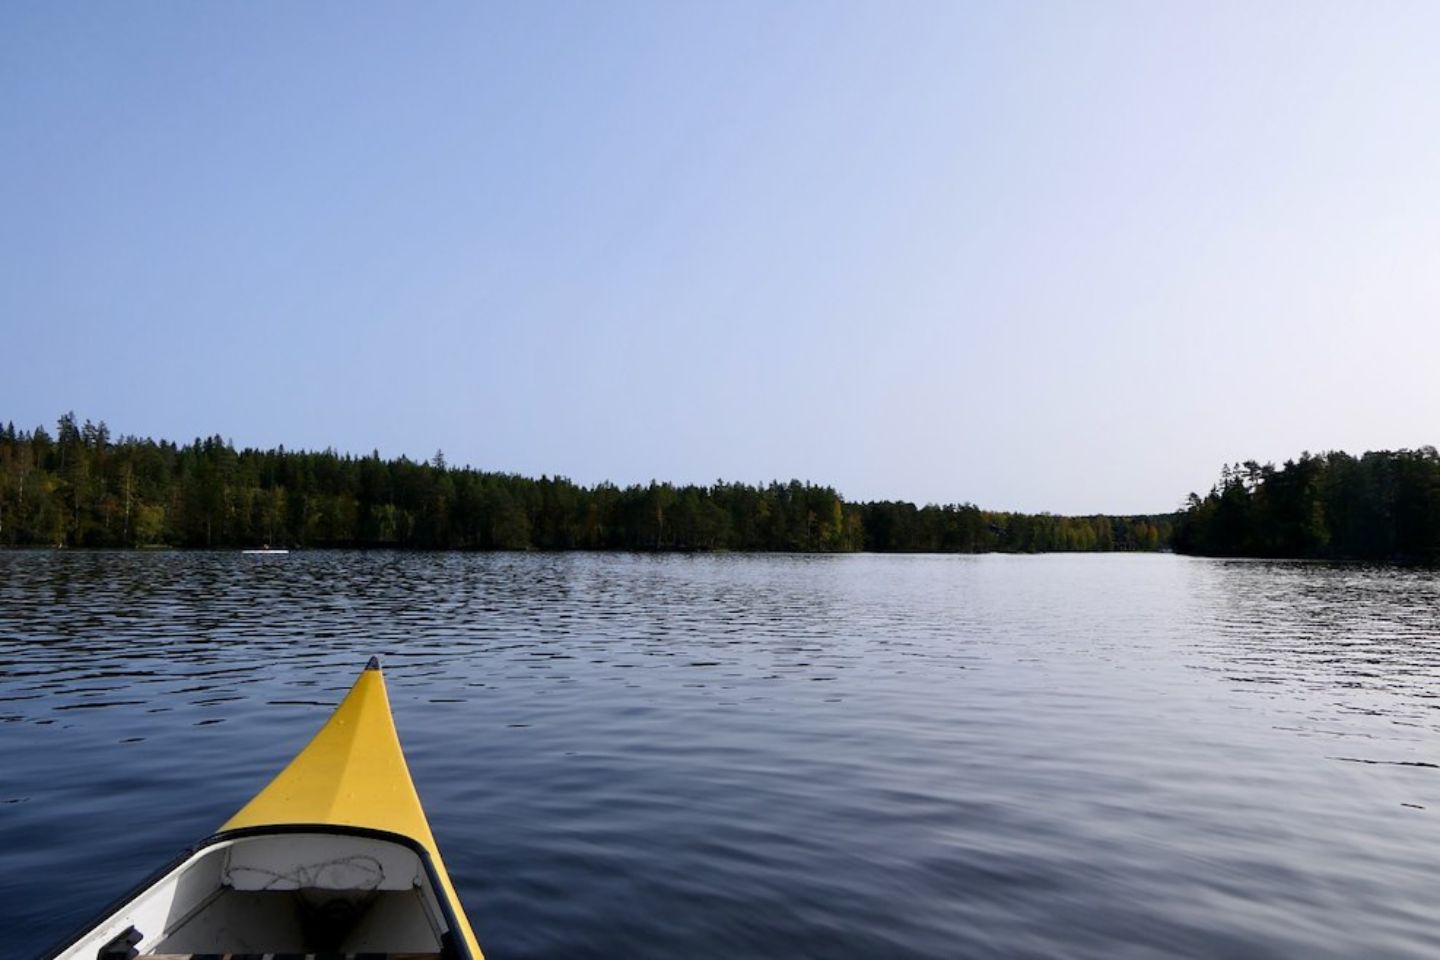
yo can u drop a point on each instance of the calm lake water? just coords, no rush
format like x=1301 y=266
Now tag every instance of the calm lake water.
x=765 y=756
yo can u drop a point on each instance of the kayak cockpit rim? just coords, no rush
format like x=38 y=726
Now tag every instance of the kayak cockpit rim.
x=452 y=946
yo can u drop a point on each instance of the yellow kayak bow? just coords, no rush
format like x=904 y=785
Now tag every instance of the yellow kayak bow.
x=334 y=856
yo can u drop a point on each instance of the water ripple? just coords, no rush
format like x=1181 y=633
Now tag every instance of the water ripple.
x=766 y=756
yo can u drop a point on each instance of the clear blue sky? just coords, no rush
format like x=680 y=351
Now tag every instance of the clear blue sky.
x=1065 y=257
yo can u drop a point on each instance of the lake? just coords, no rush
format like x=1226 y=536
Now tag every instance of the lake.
x=765 y=756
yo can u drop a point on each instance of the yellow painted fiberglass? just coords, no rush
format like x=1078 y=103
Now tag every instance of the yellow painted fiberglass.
x=335 y=855
x=353 y=774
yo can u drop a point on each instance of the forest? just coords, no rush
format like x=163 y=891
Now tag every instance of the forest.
x=1381 y=507
x=81 y=487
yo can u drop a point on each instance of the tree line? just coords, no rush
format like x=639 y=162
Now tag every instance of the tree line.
x=83 y=488
x=1381 y=507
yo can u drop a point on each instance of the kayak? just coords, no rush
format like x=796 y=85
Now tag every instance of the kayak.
x=333 y=857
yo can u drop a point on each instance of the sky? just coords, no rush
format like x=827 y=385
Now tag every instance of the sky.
x=1036 y=256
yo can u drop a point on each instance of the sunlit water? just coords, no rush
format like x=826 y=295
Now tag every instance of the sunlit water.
x=757 y=756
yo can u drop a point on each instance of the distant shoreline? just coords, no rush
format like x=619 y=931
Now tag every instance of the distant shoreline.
x=1382 y=507
x=639 y=552
x=81 y=488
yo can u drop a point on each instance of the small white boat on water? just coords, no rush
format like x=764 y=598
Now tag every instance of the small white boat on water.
x=266 y=551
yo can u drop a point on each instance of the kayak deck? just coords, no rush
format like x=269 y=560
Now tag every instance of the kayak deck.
x=334 y=857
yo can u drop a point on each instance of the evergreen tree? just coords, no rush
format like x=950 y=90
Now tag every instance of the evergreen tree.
x=84 y=488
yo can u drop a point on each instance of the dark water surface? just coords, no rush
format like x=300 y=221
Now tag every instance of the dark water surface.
x=756 y=756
